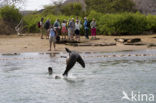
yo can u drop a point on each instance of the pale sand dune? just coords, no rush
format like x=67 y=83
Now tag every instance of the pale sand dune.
x=33 y=43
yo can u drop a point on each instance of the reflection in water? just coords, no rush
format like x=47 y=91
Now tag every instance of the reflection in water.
x=102 y=81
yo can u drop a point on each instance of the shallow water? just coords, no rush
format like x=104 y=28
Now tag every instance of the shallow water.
x=24 y=77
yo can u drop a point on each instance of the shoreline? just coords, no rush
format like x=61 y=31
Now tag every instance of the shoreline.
x=32 y=43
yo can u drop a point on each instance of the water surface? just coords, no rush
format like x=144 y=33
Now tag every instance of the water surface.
x=24 y=77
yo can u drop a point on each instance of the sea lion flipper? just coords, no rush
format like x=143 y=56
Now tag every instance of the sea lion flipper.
x=68 y=51
x=81 y=61
x=71 y=62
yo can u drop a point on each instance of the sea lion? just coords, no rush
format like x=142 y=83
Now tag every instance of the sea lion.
x=73 y=58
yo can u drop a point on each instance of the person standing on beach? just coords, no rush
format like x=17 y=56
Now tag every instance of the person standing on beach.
x=93 y=29
x=72 y=28
x=77 y=19
x=52 y=38
x=69 y=29
x=64 y=29
x=86 y=28
x=41 y=27
x=77 y=30
x=57 y=28
x=47 y=26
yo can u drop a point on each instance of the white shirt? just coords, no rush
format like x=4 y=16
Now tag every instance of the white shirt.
x=63 y=24
x=77 y=26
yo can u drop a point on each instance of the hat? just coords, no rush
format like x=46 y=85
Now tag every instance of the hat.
x=85 y=17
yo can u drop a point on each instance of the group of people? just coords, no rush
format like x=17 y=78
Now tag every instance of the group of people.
x=67 y=29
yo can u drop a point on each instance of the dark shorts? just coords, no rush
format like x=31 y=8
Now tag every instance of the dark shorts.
x=77 y=32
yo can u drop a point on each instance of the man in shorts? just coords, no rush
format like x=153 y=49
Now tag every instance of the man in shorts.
x=52 y=37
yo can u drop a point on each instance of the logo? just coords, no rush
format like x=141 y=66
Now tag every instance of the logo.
x=137 y=97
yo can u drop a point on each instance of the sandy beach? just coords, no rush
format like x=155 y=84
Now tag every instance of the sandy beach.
x=33 y=43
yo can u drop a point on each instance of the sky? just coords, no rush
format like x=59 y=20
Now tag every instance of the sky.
x=36 y=4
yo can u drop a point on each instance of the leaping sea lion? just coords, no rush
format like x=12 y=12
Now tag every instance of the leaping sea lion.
x=73 y=58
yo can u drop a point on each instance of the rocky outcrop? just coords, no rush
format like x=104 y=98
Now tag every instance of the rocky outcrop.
x=146 y=6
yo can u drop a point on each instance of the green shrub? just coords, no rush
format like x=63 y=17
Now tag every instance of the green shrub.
x=151 y=23
x=122 y=24
x=10 y=14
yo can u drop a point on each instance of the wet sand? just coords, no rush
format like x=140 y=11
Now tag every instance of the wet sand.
x=33 y=43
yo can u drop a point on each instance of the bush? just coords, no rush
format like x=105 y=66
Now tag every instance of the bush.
x=120 y=24
x=10 y=14
x=9 y=18
x=151 y=23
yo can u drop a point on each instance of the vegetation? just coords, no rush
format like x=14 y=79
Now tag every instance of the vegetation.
x=10 y=14
x=107 y=24
x=111 y=20
x=9 y=17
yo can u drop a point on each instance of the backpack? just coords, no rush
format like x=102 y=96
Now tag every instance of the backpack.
x=88 y=24
x=70 y=24
x=38 y=24
x=56 y=24
x=57 y=38
x=47 y=25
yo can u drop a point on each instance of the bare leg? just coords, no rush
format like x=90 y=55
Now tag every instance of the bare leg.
x=41 y=29
x=50 y=46
x=54 y=45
